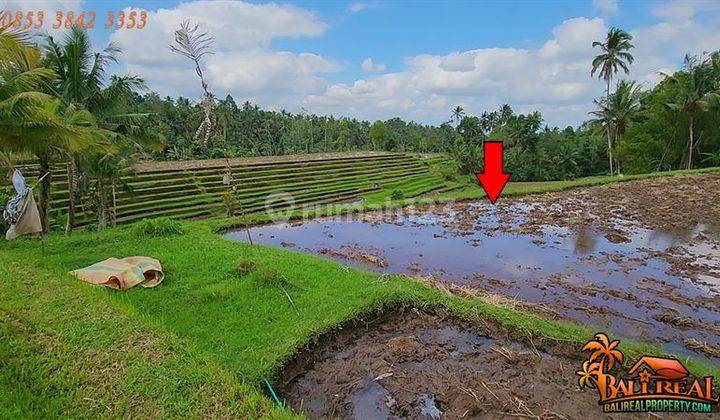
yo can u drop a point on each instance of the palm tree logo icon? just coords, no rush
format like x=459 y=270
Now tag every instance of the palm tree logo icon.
x=604 y=354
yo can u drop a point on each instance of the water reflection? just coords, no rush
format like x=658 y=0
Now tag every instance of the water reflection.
x=622 y=287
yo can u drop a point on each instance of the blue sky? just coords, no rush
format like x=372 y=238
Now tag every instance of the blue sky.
x=380 y=59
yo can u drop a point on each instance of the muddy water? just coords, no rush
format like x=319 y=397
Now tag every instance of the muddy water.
x=628 y=288
x=416 y=365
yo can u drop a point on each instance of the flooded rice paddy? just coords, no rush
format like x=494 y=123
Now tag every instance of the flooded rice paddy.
x=595 y=265
x=623 y=287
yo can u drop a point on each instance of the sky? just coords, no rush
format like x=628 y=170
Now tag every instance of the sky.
x=410 y=59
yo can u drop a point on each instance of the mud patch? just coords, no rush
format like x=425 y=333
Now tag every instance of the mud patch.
x=415 y=365
x=617 y=257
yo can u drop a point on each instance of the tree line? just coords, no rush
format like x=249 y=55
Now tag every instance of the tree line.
x=58 y=104
x=631 y=129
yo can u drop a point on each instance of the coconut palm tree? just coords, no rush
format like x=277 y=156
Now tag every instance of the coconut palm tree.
x=32 y=121
x=614 y=56
x=457 y=113
x=615 y=112
x=82 y=83
x=696 y=93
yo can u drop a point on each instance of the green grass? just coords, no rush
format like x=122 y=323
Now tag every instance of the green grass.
x=199 y=344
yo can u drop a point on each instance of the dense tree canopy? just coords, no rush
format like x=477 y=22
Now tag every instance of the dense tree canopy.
x=649 y=130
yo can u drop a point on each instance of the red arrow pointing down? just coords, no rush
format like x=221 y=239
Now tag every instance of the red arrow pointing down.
x=493 y=180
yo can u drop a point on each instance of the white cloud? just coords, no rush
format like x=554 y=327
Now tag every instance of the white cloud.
x=554 y=75
x=553 y=78
x=243 y=63
x=605 y=7
x=681 y=10
x=369 y=66
x=357 y=7
x=49 y=7
x=46 y=5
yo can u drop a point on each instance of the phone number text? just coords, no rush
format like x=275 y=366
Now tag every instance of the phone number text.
x=41 y=19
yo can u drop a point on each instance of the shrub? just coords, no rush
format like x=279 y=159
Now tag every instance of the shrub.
x=267 y=276
x=244 y=267
x=397 y=194
x=162 y=226
x=448 y=172
x=228 y=199
x=468 y=158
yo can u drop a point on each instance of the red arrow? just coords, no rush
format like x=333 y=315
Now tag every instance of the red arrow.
x=493 y=180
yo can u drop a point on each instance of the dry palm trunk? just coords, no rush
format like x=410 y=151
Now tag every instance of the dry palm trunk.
x=102 y=208
x=690 y=149
x=72 y=185
x=192 y=44
x=114 y=205
x=609 y=135
x=45 y=193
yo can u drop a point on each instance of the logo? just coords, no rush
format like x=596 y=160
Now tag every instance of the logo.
x=657 y=384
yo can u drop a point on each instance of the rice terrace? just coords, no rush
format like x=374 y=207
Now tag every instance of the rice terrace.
x=520 y=221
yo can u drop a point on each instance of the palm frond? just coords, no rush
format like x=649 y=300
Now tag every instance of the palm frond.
x=191 y=43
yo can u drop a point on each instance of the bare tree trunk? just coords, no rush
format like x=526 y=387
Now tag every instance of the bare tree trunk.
x=101 y=205
x=114 y=205
x=609 y=138
x=690 y=149
x=44 y=206
x=71 y=196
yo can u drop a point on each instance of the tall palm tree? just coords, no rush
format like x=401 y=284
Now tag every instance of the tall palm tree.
x=32 y=121
x=614 y=56
x=616 y=112
x=696 y=92
x=82 y=83
x=457 y=113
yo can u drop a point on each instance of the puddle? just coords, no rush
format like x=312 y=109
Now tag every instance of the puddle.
x=619 y=283
x=428 y=407
x=404 y=367
x=372 y=401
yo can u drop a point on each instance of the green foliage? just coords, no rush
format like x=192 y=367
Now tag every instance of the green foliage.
x=6 y=193
x=397 y=194
x=160 y=227
x=229 y=201
x=448 y=172
x=638 y=151
x=468 y=158
x=712 y=158
x=380 y=136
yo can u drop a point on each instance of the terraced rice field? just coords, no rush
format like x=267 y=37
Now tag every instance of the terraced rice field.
x=194 y=189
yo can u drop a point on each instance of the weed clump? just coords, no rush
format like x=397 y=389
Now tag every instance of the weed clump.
x=397 y=194
x=244 y=267
x=267 y=276
x=160 y=227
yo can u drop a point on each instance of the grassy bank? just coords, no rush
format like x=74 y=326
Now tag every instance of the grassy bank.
x=199 y=344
